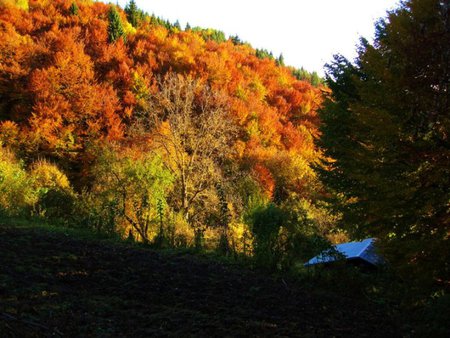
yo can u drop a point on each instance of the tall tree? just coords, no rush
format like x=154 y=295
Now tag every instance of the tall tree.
x=115 y=27
x=280 y=60
x=387 y=126
x=195 y=134
x=134 y=14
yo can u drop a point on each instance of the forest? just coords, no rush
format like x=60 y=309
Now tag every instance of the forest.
x=127 y=125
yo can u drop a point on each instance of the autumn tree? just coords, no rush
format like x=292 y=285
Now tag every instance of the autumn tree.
x=22 y=4
x=195 y=134
x=387 y=127
x=65 y=112
x=16 y=193
x=131 y=183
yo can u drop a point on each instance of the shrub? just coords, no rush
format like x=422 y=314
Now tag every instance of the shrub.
x=265 y=222
x=55 y=197
x=98 y=213
x=16 y=193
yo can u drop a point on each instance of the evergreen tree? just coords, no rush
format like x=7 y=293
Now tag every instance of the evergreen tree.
x=303 y=75
x=236 y=40
x=387 y=127
x=264 y=54
x=134 y=15
x=115 y=28
x=280 y=60
x=73 y=9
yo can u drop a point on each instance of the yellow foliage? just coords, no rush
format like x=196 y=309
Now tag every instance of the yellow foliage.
x=240 y=238
x=9 y=132
x=211 y=237
x=15 y=191
x=128 y=28
x=241 y=93
x=140 y=90
x=183 y=234
x=48 y=176
x=240 y=148
x=258 y=88
x=160 y=33
x=22 y=4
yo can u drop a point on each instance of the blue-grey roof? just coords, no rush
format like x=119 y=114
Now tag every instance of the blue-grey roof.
x=364 y=250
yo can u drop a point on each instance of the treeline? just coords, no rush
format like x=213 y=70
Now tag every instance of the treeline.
x=161 y=135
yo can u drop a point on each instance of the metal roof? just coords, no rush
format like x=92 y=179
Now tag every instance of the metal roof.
x=364 y=250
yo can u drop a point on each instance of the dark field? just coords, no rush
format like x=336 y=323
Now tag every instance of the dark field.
x=52 y=284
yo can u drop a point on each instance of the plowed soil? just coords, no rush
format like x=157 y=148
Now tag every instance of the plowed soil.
x=56 y=285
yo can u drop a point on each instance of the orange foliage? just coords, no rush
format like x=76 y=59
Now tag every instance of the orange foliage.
x=63 y=84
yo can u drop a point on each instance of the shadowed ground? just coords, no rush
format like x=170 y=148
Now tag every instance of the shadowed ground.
x=52 y=284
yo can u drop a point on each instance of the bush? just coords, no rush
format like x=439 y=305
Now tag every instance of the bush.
x=284 y=237
x=266 y=222
x=16 y=193
x=95 y=212
x=55 y=197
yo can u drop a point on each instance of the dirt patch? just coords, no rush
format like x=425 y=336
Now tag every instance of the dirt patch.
x=55 y=285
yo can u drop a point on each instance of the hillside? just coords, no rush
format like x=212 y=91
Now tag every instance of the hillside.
x=119 y=123
x=117 y=120
x=53 y=284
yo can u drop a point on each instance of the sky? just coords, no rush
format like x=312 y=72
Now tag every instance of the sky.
x=307 y=32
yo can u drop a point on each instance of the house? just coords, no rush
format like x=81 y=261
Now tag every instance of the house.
x=359 y=253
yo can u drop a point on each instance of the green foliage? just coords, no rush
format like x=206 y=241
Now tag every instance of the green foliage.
x=161 y=236
x=43 y=190
x=236 y=40
x=265 y=222
x=387 y=127
x=264 y=54
x=94 y=211
x=177 y=25
x=210 y=34
x=134 y=15
x=115 y=27
x=133 y=184
x=16 y=193
x=157 y=21
x=303 y=236
x=303 y=75
x=73 y=9
x=280 y=60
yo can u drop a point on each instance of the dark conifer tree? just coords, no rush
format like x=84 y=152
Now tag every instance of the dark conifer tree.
x=280 y=60
x=115 y=28
x=73 y=9
x=132 y=12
